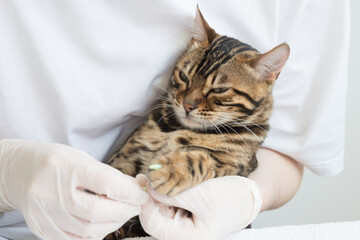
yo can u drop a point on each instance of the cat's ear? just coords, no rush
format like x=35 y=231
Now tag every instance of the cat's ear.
x=268 y=65
x=202 y=31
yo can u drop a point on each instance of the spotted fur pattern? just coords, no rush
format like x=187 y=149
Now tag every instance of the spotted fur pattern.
x=212 y=118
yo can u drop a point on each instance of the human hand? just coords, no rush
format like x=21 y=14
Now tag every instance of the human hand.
x=218 y=207
x=47 y=183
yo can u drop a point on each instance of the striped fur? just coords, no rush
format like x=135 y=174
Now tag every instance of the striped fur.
x=212 y=118
x=219 y=137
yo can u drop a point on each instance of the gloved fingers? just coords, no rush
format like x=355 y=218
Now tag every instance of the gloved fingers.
x=142 y=181
x=108 y=181
x=208 y=197
x=43 y=226
x=186 y=200
x=94 y=208
x=56 y=222
x=159 y=222
x=80 y=229
x=74 y=237
x=226 y=198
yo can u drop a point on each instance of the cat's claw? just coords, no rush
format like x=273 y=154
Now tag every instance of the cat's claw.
x=155 y=166
x=169 y=176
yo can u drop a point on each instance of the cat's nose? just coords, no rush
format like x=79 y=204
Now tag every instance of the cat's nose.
x=189 y=107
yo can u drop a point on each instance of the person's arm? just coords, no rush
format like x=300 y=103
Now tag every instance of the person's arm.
x=278 y=177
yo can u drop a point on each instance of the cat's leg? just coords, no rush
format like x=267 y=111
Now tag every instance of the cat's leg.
x=131 y=229
x=125 y=165
x=132 y=159
x=179 y=171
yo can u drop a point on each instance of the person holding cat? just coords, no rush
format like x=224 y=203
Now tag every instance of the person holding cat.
x=73 y=76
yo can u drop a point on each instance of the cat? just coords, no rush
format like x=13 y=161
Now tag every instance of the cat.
x=211 y=120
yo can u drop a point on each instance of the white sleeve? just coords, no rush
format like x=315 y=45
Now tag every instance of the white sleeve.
x=308 y=121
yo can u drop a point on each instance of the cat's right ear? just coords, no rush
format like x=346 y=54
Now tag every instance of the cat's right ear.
x=202 y=31
x=269 y=65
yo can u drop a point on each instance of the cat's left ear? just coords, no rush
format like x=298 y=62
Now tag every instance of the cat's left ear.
x=202 y=31
x=268 y=65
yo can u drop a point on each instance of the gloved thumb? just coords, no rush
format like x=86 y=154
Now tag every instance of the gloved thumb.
x=142 y=181
x=160 y=219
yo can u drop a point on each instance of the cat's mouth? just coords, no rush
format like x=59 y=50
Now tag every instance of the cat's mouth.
x=191 y=121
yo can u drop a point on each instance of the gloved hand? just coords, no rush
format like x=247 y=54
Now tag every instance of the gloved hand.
x=218 y=207
x=46 y=183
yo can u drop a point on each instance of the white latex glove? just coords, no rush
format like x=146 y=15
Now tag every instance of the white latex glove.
x=46 y=183
x=219 y=206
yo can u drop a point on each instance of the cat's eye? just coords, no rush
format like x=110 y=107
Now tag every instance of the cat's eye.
x=183 y=77
x=220 y=90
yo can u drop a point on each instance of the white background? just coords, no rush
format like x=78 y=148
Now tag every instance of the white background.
x=333 y=199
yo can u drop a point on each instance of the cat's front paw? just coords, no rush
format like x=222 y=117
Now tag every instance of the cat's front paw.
x=171 y=174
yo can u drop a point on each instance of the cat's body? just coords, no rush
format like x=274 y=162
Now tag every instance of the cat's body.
x=187 y=156
x=213 y=117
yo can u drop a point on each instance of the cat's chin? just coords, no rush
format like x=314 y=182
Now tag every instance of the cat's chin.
x=192 y=123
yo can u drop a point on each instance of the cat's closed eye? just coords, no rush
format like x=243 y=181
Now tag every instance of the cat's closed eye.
x=183 y=77
x=220 y=90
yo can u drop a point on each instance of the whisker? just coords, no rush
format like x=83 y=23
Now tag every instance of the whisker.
x=241 y=125
x=217 y=129
x=167 y=99
x=159 y=106
x=165 y=90
x=242 y=137
x=241 y=122
x=235 y=121
x=168 y=114
x=219 y=123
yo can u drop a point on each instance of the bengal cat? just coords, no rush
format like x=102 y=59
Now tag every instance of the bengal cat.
x=212 y=119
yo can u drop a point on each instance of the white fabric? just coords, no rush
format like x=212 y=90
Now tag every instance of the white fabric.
x=324 y=231
x=75 y=72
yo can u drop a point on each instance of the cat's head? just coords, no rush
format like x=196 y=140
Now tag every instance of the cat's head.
x=221 y=81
